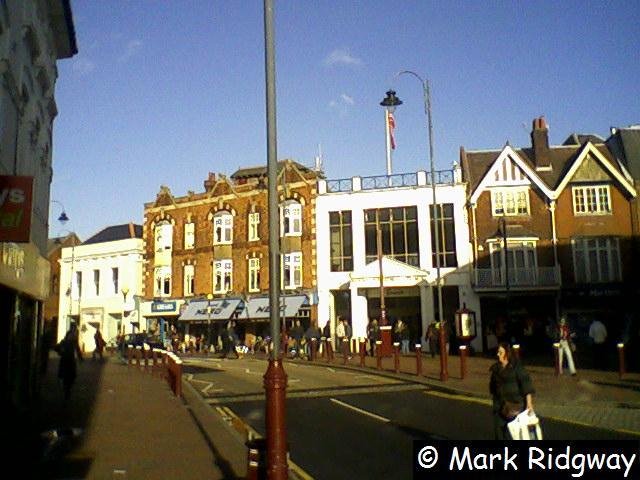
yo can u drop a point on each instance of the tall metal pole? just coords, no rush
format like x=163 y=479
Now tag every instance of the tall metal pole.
x=444 y=374
x=275 y=378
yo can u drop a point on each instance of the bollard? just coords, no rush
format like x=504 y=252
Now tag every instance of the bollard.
x=621 y=370
x=463 y=361
x=164 y=368
x=154 y=361
x=418 y=359
x=178 y=378
x=146 y=359
x=345 y=350
x=256 y=459
x=396 y=356
x=354 y=345
x=138 y=355
x=379 y=354
x=129 y=355
x=314 y=347
x=323 y=343
x=556 y=357
x=515 y=349
x=363 y=351
x=329 y=351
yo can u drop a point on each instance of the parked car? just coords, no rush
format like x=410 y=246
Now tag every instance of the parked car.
x=138 y=340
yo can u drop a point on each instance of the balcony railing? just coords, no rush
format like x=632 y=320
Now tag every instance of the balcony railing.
x=519 y=278
x=414 y=179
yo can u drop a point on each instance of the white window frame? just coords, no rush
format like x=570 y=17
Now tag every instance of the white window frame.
x=588 y=253
x=189 y=236
x=224 y=222
x=291 y=219
x=189 y=276
x=224 y=270
x=516 y=199
x=292 y=262
x=253 y=226
x=162 y=281
x=591 y=200
x=163 y=237
x=254 y=274
x=523 y=250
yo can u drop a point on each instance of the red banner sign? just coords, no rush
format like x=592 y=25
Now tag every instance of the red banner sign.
x=15 y=208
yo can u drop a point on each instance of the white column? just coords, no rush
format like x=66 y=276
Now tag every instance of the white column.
x=426 y=308
x=359 y=317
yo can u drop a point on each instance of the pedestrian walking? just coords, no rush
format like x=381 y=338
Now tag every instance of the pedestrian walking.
x=598 y=333
x=567 y=347
x=100 y=343
x=511 y=391
x=68 y=348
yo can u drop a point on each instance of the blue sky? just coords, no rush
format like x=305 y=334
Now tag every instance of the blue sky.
x=162 y=92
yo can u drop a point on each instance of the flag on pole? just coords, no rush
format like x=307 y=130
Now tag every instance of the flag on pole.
x=392 y=126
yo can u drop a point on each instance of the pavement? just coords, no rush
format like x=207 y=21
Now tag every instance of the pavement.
x=124 y=423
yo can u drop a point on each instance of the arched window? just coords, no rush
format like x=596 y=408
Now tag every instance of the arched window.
x=291 y=219
x=222 y=228
x=163 y=237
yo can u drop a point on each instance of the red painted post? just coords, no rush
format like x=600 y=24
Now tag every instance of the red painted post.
x=275 y=385
x=515 y=348
x=621 y=370
x=314 y=349
x=146 y=360
x=345 y=350
x=463 y=361
x=138 y=355
x=396 y=356
x=178 y=375
x=556 y=358
x=329 y=351
x=379 y=354
x=363 y=351
x=418 y=359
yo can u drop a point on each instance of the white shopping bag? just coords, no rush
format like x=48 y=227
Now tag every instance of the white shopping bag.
x=525 y=427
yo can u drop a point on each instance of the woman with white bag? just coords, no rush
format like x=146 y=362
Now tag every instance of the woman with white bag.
x=511 y=390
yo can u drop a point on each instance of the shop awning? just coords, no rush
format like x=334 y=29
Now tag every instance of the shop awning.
x=258 y=308
x=396 y=274
x=221 y=309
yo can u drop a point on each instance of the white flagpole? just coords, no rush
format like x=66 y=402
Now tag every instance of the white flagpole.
x=388 y=139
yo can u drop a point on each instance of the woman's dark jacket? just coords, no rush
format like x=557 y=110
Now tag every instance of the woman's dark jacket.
x=511 y=383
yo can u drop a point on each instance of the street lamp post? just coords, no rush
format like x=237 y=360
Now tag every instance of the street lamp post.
x=444 y=374
x=275 y=378
x=209 y=336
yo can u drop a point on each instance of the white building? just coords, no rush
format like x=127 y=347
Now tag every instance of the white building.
x=100 y=284
x=350 y=212
x=34 y=36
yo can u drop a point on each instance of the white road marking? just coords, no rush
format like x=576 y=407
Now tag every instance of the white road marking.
x=189 y=376
x=209 y=388
x=331 y=370
x=360 y=410
x=294 y=380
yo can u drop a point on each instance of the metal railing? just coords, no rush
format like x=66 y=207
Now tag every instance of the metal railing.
x=443 y=177
x=390 y=181
x=518 y=278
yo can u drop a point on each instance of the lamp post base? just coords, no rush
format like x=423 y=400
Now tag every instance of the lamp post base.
x=275 y=385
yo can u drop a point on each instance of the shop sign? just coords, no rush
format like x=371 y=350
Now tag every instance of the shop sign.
x=15 y=208
x=163 y=307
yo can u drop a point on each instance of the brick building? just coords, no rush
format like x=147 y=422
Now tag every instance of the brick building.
x=207 y=253
x=561 y=216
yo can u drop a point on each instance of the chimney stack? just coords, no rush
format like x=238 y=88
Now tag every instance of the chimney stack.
x=540 y=144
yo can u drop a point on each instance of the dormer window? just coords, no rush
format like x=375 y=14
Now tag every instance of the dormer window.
x=591 y=200
x=222 y=228
x=510 y=201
